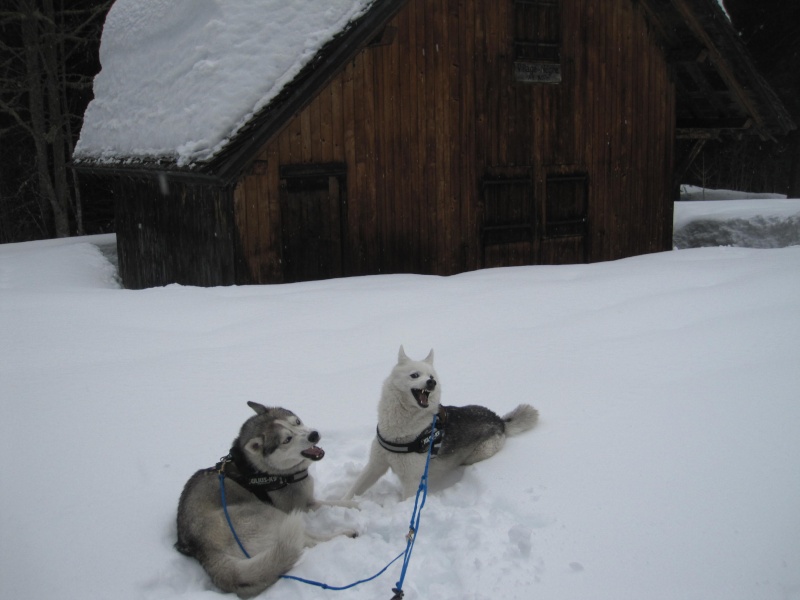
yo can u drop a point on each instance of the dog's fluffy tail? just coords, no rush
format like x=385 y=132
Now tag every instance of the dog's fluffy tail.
x=521 y=419
x=248 y=577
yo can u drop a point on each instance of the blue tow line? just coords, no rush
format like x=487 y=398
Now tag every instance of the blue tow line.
x=227 y=516
x=413 y=530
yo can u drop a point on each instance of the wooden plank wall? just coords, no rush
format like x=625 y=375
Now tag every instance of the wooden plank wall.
x=632 y=131
x=421 y=120
x=182 y=235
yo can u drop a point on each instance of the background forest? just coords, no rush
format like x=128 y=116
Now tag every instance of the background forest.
x=49 y=55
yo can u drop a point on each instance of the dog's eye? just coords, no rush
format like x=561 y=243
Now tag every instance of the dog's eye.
x=297 y=422
x=287 y=440
x=415 y=375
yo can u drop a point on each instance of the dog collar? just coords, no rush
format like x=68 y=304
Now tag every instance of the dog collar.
x=259 y=484
x=422 y=442
x=270 y=483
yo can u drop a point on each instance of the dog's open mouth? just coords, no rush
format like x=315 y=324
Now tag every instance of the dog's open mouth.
x=421 y=396
x=313 y=453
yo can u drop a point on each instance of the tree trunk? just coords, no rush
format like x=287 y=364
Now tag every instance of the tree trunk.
x=53 y=207
x=56 y=139
x=30 y=40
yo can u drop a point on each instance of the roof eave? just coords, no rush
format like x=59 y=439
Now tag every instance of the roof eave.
x=144 y=169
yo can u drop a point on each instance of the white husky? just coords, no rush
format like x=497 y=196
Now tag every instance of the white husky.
x=266 y=482
x=464 y=434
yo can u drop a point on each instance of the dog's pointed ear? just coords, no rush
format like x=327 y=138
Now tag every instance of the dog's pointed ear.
x=401 y=356
x=429 y=358
x=259 y=408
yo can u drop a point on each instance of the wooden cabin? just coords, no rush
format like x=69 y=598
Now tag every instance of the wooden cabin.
x=442 y=136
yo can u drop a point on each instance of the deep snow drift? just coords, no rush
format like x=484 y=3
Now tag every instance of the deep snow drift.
x=666 y=464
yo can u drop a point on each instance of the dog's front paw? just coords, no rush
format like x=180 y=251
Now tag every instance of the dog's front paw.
x=337 y=503
x=348 y=504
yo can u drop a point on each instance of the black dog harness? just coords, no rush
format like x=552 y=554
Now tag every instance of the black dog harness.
x=258 y=484
x=423 y=440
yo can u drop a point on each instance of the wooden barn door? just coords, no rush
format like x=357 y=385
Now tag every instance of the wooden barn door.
x=312 y=214
x=566 y=220
x=509 y=222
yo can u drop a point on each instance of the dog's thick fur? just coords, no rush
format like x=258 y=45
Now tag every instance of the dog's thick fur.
x=274 y=442
x=411 y=396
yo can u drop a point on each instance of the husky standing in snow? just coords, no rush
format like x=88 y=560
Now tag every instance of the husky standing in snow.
x=266 y=483
x=464 y=434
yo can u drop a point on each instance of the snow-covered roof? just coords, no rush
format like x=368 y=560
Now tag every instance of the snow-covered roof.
x=179 y=78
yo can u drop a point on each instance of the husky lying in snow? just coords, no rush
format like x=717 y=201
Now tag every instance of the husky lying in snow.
x=266 y=484
x=464 y=434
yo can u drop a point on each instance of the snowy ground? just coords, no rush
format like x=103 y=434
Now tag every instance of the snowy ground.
x=666 y=464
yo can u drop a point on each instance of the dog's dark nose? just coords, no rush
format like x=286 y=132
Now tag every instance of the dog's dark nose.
x=430 y=384
x=313 y=437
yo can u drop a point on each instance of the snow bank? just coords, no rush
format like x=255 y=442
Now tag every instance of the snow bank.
x=727 y=218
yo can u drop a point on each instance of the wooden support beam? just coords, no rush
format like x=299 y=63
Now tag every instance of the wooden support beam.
x=686 y=163
x=716 y=58
x=714 y=124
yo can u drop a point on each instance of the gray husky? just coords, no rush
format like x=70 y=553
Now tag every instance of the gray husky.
x=463 y=435
x=266 y=483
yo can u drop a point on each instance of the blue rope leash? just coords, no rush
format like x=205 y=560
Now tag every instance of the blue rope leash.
x=413 y=530
x=227 y=516
x=334 y=588
x=413 y=527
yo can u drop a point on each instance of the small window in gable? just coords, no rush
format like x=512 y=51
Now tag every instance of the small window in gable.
x=537 y=41
x=385 y=37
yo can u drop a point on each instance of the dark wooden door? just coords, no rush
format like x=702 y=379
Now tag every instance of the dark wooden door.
x=509 y=222
x=311 y=227
x=566 y=222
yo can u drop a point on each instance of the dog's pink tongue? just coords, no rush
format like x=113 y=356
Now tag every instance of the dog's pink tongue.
x=313 y=453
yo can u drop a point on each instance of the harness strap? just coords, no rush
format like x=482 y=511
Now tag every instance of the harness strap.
x=431 y=438
x=259 y=484
x=269 y=483
x=224 y=502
